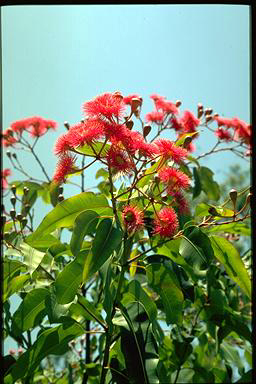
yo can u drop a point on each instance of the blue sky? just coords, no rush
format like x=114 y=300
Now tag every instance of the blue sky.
x=57 y=57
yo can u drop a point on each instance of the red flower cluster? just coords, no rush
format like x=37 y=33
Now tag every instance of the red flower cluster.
x=132 y=218
x=36 y=126
x=105 y=106
x=241 y=130
x=4 y=174
x=174 y=179
x=65 y=166
x=169 y=150
x=166 y=222
x=155 y=117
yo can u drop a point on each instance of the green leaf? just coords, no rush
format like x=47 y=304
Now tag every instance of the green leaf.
x=102 y=173
x=11 y=267
x=209 y=186
x=236 y=228
x=85 y=223
x=65 y=213
x=203 y=209
x=31 y=310
x=164 y=282
x=135 y=293
x=197 y=188
x=106 y=240
x=43 y=243
x=85 y=310
x=53 y=341
x=16 y=284
x=246 y=377
x=97 y=147
x=31 y=256
x=227 y=254
x=55 y=311
x=69 y=280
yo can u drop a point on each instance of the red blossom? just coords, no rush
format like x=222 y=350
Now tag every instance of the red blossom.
x=166 y=106
x=177 y=124
x=128 y=99
x=20 y=125
x=156 y=97
x=189 y=121
x=227 y=122
x=223 y=135
x=119 y=160
x=191 y=147
x=4 y=174
x=7 y=138
x=132 y=218
x=174 y=178
x=166 y=222
x=155 y=117
x=182 y=203
x=104 y=106
x=169 y=150
x=136 y=142
x=85 y=133
x=65 y=166
x=242 y=130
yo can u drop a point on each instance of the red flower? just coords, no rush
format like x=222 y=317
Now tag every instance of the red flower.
x=223 y=135
x=156 y=97
x=5 y=173
x=166 y=222
x=20 y=125
x=166 y=106
x=177 y=124
x=119 y=160
x=191 y=147
x=189 y=121
x=155 y=117
x=223 y=121
x=62 y=145
x=132 y=218
x=85 y=133
x=64 y=167
x=135 y=142
x=7 y=138
x=169 y=150
x=104 y=106
x=242 y=130
x=174 y=178
x=128 y=99
x=182 y=203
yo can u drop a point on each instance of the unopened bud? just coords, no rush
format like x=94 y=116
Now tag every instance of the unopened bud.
x=233 y=196
x=60 y=198
x=60 y=190
x=13 y=213
x=82 y=121
x=178 y=103
x=13 y=200
x=13 y=188
x=135 y=103
x=118 y=95
x=129 y=124
x=208 y=118
x=8 y=153
x=25 y=190
x=19 y=216
x=146 y=130
x=200 y=106
x=66 y=125
x=215 y=115
x=14 y=155
x=207 y=111
x=24 y=222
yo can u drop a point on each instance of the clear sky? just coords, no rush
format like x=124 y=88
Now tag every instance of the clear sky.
x=54 y=58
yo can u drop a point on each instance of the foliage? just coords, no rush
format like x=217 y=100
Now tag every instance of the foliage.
x=149 y=285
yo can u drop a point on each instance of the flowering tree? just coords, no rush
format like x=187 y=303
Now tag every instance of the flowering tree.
x=134 y=283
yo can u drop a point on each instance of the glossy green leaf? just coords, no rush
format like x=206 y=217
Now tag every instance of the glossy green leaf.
x=54 y=310
x=93 y=149
x=227 y=255
x=31 y=310
x=31 y=256
x=209 y=186
x=43 y=243
x=64 y=214
x=164 y=282
x=236 y=228
x=53 y=341
x=202 y=209
x=85 y=310
x=197 y=188
x=135 y=293
x=69 y=280
x=84 y=224
x=15 y=285
x=106 y=240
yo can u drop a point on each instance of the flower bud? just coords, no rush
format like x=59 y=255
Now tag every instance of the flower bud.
x=118 y=95
x=66 y=125
x=135 y=103
x=207 y=111
x=146 y=130
x=13 y=188
x=14 y=155
x=60 y=190
x=24 y=222
x=8 y=153
x=25 y=190
x=178 y=103
x=13 y=200
x=129 y=124
x=208 y=118
x=13 y=213
x=233 y=196
x=216 y=114
x=60 y=198
x=19 y=216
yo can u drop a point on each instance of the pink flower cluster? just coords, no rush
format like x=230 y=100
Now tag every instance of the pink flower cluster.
x=105 y=121
x=234 y=129
x=4 y=174
x=36 y=126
